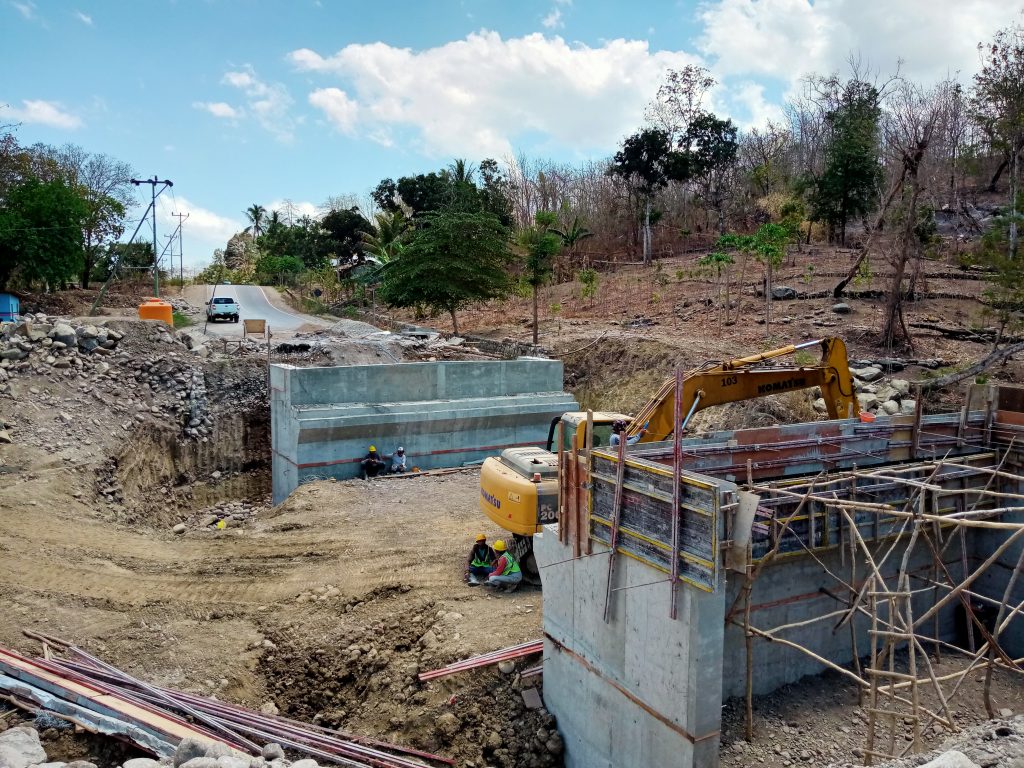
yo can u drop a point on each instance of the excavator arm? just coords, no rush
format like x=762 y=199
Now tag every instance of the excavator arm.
x=746 y=378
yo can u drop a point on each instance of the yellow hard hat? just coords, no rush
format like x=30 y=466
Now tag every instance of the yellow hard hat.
x=499 y=546
x=373 y=448
x=481 y=537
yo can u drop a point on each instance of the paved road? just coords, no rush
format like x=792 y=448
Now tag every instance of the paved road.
x=255 y=305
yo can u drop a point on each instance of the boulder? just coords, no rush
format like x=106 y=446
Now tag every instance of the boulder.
x=273 y=752
x=13 y=354
x=886 y=392
x=188 y=749
x=783 y=293
x=907 y=407
x=201 y=762
x=307 y=763
x=141 y=762
x=819 y=405
x=230 y=761
x=951 y=759
x=20 y=747
x=179 y=529
x=65 y=334
x=901 y=385
x=868 y=401
x=842 y=309
x=868 y=373
x=891 y=407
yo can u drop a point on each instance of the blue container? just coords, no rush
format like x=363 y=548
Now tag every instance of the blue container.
x=8 y=307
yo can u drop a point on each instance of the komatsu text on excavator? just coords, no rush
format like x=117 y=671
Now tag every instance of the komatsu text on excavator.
x=519 y=489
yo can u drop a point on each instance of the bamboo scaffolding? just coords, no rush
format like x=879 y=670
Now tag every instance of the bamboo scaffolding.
x=919 y=524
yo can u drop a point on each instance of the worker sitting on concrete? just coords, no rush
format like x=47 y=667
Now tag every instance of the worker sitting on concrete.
x=619 y=429
x=506 y=572
x=371 y=465
x=397 y=461
x=480 y=561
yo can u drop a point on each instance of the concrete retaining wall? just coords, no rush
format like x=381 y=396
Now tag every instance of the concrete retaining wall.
x=642 y=689
x=444 y=414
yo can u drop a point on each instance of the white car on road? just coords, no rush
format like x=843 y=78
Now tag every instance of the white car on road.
x=222 y=308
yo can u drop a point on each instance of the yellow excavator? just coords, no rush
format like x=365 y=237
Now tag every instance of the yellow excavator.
x=519 y=488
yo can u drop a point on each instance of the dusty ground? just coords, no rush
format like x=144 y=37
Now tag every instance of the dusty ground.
x=328 y=606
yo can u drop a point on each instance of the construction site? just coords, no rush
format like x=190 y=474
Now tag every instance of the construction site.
x=731 y=557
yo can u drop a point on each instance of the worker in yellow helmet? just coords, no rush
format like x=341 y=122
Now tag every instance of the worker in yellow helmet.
x=480 y=561
x=506 y=572
x=372 y=464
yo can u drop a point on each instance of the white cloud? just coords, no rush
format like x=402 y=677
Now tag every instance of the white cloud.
x=294 y=209
x=789 y=38
x=202 y=231
x=27 y=8
x=84 y=18
x=480 y=95
x=748 y=106
x=553 y=20
x=219 y=109
x=39 y=112
x=339 y=109
x=269 y=103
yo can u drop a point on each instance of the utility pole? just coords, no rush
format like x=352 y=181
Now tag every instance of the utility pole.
x=156 y=261
x=181 y=249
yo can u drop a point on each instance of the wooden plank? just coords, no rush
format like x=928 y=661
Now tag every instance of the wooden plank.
x=677 y=468
x=613 y=539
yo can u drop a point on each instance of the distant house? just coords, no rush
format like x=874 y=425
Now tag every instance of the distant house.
x=359 y=266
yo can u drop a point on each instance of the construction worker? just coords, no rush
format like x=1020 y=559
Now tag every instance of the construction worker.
x=371 y=465
x=397 y=461
x=480 y=561
x=506 y=572
x=619 y=429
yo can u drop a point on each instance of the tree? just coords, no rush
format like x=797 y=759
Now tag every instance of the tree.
x=105 y=184
x=767 y=245
x=998 y=106
x=455 y=259
x=496 y=193
x=343 y=232
x=123 y=256
x=848 y=187
x=41 y=232
x=909 y=126
x=679 y=100
x=572 y=236
x=541 y=245
x=648 y=163
x=256 y=214
x=386 y=238
x=710 y=147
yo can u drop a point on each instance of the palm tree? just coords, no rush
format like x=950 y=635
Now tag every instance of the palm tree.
x=274 y=222
x=461 y=171
x=572 y=236
x=388 y=238
x=255 y=212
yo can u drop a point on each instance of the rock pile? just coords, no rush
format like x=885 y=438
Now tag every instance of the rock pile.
x=875 y=395
x=42 y=346
x=994 y=744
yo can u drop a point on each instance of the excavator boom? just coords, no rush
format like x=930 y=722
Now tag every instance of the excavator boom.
x=747 y=378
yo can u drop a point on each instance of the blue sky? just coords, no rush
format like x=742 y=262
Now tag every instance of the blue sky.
x=243 y=102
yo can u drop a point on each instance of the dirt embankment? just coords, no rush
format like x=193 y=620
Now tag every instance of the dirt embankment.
x=323 y=608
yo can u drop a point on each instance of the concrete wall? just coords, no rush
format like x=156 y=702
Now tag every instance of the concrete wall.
x=444 y=414
x=789 y=591
x=643 y=689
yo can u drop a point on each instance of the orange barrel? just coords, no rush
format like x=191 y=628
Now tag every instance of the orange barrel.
x=156 y=309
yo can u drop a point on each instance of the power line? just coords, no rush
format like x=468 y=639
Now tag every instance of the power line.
x=155 y=193
x=181 y=246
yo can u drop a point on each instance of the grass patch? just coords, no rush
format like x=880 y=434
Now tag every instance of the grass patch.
x=182 y=320
x=313 y=307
